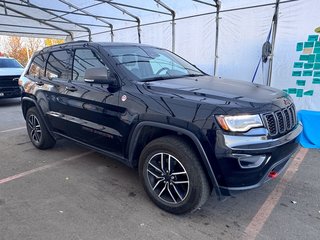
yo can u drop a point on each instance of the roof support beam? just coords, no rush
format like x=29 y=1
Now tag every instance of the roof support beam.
x=74 y=11
x=129 y=14
x=206 y=3
x=34 y=27
x=37 y=20
x=56 y=21
x=66 y=12
x=173 y=14
x=29 y=33
x=36 y=6
x=139 y=8
x=89 y=14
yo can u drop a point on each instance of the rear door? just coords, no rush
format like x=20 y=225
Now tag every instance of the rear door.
x=91 y=111
x=59 y=73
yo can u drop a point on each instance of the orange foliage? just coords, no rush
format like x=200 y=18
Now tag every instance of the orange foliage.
x=22 y=50
x=50 y=41
x=15 y=50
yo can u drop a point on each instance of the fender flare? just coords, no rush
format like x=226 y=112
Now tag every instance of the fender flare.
x=192 y=136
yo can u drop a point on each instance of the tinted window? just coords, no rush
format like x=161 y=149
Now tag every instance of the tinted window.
x=84 y=59
x=37 y=66
x=59 y=65
x=9 y=63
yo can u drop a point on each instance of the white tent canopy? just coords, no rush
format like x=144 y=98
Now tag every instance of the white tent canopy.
x=222 y=37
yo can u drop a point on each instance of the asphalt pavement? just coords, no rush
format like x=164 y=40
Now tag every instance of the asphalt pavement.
x=71 y=192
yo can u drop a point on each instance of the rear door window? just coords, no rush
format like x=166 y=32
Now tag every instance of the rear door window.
x=37 y=67
x=59 y=65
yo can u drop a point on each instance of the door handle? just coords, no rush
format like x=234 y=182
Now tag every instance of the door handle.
x=71 y=89
x=40 y=83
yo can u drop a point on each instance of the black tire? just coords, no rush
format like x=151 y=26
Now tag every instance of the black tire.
x=37 y=131
x=167 y=189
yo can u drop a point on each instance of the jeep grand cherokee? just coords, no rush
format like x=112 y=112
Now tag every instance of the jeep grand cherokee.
x=188 y=133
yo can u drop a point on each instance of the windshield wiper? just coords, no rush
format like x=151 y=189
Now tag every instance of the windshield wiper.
x=193 y=75
x=157 y=78
x=132 y=62
x=168 y=77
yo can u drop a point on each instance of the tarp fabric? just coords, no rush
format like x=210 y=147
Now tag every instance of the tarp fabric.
x=310 y=137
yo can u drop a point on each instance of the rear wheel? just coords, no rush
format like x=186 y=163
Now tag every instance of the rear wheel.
x=173 y=176
x=37 y=131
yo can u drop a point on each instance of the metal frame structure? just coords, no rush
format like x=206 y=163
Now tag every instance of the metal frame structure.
x=89 y=14
x=274 y=31
x=173 y=14
x=83 y=12
x=58 y=18
x=36 y=19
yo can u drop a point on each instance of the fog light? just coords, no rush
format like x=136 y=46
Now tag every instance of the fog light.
x=250 y=161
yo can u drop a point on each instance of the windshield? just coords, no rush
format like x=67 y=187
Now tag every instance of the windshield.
x=9 y=63
x=151 y=64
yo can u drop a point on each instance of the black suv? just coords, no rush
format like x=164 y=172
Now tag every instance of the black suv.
x=188 y=133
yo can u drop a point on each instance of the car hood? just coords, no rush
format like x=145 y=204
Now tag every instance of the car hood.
x=11 y=71
x=206 y=88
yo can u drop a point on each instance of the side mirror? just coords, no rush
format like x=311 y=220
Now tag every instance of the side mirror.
x=100 y=75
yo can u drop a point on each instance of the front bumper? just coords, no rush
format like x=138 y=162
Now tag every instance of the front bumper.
x=277 y=154
x=10 y=92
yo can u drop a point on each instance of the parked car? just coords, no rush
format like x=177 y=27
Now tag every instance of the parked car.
x=10 y=71
x=188 y=133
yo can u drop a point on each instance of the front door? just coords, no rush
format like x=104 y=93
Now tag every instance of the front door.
x=91 y=110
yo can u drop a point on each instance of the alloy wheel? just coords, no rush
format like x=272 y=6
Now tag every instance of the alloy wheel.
x=168 y=178
x=35 y=128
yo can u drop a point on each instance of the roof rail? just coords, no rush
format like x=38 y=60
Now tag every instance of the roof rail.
x=63 y=44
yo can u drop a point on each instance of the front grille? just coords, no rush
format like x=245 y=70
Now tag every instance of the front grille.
x=7 y=81
x=280 y=122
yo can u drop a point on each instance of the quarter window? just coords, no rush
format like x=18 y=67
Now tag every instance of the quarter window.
x=84 y=59
x=59 y=65
x=37 y=66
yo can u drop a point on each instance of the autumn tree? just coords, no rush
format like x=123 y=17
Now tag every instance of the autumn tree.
x=22 y=50
x=16 y=50
x=51 y=41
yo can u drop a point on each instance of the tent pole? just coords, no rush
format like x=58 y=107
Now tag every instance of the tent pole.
x=274 y=31
x=218 y=5
x=173 y=14
x=173 y=34
x=137 y=19
x=112 y=33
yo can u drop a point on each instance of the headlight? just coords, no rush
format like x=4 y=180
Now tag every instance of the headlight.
x=241 y=123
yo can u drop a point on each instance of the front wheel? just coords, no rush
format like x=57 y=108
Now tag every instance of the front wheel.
x=37 y=131
x=173 y=176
